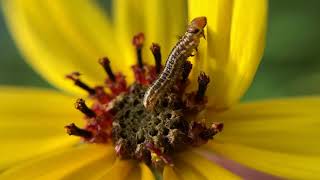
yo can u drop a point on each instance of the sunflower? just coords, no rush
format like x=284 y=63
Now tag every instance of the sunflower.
x=268 y=139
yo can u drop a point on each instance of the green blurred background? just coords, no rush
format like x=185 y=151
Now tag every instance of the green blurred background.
x=290 y=66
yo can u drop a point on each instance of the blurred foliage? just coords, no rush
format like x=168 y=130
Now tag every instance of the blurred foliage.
x=13 y=70
x=290 y=65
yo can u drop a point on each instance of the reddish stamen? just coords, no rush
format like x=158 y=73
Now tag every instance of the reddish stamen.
x=208 y=133
x=106 y=65
x=218 y=127
x=138 y=41
x=200 y=133
x=81 y=105
x=75 y=78
x=186 y=70
x=203 y=81
x=119 y=149
x=166 y=159
x=118 y=86
x=155 y=48
x=101 y=95
x=72 y=129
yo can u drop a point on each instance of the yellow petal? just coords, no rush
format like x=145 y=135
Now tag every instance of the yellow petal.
x=235 y=44
x=56 y=165
x=146 y=173
x=279 y=136
x=240 y=170
x=32 y=121
x=198 y=8
x=191 y=165
x=128 y=21
x=160 y=21
x=165 y=20
x=170 y=174
x=95 y=169
x=61 y=37
x=286 y=125
x=122 y=169
x=289 y=166
x=186 y=171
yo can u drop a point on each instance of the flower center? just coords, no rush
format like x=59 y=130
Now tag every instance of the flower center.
x=154 y=117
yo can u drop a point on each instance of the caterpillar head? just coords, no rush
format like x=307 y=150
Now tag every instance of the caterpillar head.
x=197 y=25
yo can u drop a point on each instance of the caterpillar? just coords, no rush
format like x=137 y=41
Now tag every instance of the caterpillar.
x=178 y=56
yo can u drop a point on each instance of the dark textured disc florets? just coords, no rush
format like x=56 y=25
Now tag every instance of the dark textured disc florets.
x=134 y=127
x=148 y=125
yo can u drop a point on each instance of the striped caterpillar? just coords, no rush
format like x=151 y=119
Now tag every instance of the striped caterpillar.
x=187 y=44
